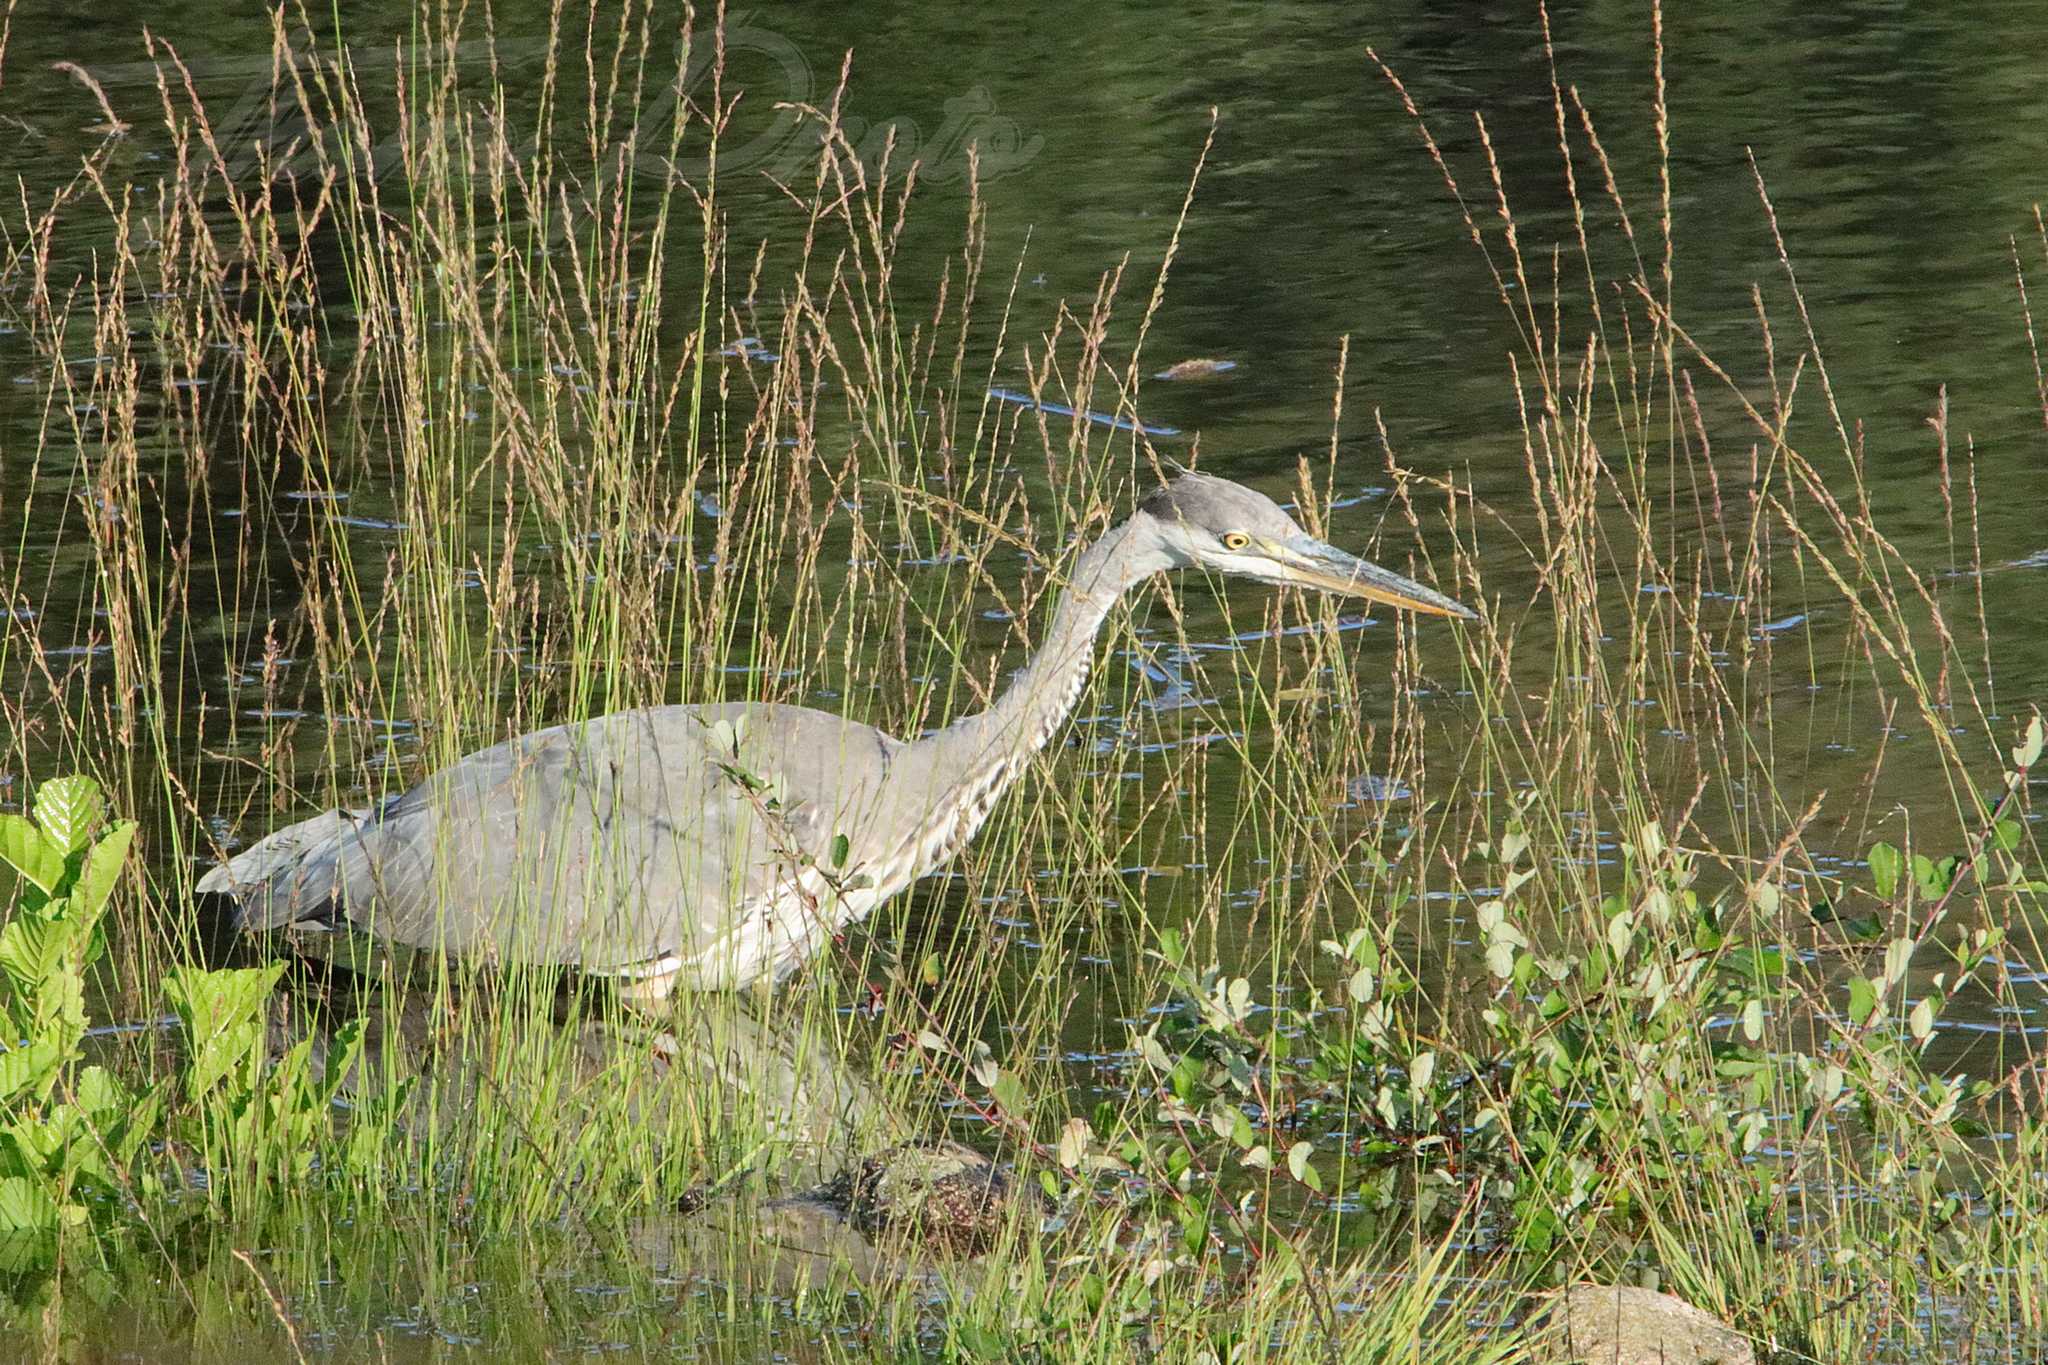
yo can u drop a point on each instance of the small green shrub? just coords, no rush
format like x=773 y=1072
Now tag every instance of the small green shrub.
x=69 y=1132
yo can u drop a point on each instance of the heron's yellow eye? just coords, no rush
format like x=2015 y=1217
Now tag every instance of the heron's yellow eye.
x=1236 y=540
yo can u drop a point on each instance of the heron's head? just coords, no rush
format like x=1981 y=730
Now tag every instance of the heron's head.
x=1211 y=523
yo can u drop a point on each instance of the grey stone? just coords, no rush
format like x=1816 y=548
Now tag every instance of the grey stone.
x=1591 y=1324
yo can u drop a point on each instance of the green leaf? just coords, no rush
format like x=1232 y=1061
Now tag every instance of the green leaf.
x=30 y=1067
x=1933 y=878
x=2029 y=751
x=68 y=808
x=841 y=848
x=982 y=1343
x=1360 y=987
x=42 y=953
x=1009 y=1093
x=1757 y=963
x=1862 y=1000
x=222 y=1015
x=23 y=848
x=1885 y=863
x=25 y=1206
x=137 y=1126
x=2005 y=835
x=102 y=869
x=99 y=1090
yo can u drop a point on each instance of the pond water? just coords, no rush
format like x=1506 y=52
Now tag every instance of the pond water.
x=1903 y=148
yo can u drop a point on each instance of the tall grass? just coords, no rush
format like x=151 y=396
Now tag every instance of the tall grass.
x=445 y=413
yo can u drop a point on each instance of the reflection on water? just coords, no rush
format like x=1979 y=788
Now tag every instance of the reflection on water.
x=739 y=1054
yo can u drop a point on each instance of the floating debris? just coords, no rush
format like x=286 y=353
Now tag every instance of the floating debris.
x=750 y=348
x=1372 y=789
x=1025 y=400
x=1198 y=367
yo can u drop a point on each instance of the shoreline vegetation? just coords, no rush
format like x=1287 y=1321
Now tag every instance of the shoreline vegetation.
x=437 y=406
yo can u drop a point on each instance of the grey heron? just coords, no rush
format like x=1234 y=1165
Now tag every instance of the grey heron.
x=716 y=846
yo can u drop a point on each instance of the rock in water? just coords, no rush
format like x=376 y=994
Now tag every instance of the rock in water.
x=1200 y=367
x=1621 y=1325
x=942 y=1196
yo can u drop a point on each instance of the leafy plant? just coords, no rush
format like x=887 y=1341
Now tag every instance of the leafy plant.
x=69 y=1132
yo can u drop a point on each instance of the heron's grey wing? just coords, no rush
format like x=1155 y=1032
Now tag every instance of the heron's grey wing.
x=579 y=845
x=646 y=840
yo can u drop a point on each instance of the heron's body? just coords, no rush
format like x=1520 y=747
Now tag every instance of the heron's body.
x=710 y=847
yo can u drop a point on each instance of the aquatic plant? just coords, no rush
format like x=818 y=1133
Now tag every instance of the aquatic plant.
x=70 y=1131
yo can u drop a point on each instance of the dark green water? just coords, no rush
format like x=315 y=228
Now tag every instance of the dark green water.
x=1904 y=148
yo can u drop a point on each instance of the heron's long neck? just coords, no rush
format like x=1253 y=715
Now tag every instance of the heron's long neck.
x=1044 y=690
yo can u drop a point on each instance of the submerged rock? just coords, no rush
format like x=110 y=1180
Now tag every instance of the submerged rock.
x=898 y=1216
x=942 y=1196
x=1591 y=1324
x=1199 y=367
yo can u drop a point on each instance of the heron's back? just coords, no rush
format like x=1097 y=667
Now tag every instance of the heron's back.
x=672 y=838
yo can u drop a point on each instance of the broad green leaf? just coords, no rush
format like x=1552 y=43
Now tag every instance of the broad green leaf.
x=24 y=1253
x=98 y=1090
x=31 y=1066
x=23 y=848
x=1009 y=1093
x=137 y=1126
x=1898 y=955
x=222 y=1015
x=1862 y=1000
x=2029 y=751
x=1621 y=931
x=67 y=808
x=37 y=950
x=1933 y=878
x=841 y=847
x=1885 y=863
x=1360 y=987
x=1297 y=1159
x=1075 y=1139
x=25 y=1206
x=1921 y=1022
x=102 y=869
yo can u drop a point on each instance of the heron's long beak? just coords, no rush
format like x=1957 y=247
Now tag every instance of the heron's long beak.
x=1312 y=564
